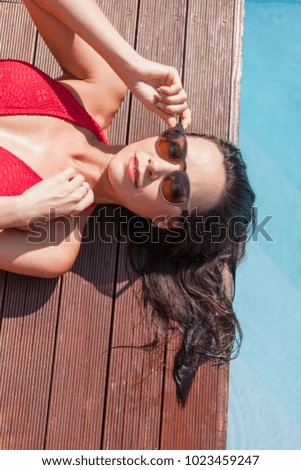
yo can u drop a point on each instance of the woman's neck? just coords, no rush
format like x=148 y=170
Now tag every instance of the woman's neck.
x=99 y=175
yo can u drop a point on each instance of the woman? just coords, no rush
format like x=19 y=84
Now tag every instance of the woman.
x=86 y=75
x=195 y=188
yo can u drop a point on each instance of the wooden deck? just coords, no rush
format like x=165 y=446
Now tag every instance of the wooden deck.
x=62 y=384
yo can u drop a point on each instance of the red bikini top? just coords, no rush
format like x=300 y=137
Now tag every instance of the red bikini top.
x=24 y=89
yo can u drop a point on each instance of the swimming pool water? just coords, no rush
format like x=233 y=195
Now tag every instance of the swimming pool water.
x=265 y=383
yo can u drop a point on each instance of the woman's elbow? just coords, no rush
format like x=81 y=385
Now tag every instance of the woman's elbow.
x=44 y=265
x=56 y=266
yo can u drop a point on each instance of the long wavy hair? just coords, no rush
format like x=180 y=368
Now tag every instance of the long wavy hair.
x=183 y=272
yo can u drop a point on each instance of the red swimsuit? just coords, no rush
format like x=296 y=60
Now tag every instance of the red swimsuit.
x=24 y=89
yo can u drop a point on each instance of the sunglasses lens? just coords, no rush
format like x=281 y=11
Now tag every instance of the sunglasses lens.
x=175 y=187
x=172 y=145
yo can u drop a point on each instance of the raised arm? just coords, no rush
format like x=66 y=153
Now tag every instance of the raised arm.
x=150 y=82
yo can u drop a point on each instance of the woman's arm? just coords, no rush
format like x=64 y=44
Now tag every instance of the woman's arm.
x=62 y=194
x=12 y=211
x=84 y=17
x=150 y=82
x=48 y=250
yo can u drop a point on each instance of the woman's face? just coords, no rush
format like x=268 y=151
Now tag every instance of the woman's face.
x=142 y=195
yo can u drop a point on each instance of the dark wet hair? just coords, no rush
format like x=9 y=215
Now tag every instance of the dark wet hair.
x=183 y=274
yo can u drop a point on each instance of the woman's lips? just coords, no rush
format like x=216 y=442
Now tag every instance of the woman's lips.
x=133 y=170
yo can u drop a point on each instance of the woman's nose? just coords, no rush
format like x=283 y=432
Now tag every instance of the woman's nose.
x=157 y=167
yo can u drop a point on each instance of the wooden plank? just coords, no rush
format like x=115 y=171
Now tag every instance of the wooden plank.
x=80 y=367
x=212 y=32
x=135 y=381
x=30 y=306
x=133 y=406
x=208 y=65
x=2 y=290
x=11 y=46
x=27 y=343
x=17 y=32
x=202 y=423
x=238 y=29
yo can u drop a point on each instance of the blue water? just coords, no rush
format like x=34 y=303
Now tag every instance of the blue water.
x=265 y=382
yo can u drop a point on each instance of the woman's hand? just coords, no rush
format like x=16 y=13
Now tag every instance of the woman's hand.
x=63 y=194
x=160 y=89
x=66 y=193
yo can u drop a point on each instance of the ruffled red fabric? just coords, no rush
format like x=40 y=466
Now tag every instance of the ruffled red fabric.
x=24 y=89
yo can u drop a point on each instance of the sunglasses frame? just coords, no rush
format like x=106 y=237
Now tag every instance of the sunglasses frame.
x=185 y=204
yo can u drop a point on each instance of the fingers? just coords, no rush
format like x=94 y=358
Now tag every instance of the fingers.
x=186 y=118
x=179 y=98
x=81 y=190
x=173 y=81
x=170 y=120
x=78 y=190
x=67 y=174
x=172 y=102
x=170 y=90
x=77 y=181
x=85 y=185
x=85 y=201
x=88 y=199
x=181 y=110
x=173 y=109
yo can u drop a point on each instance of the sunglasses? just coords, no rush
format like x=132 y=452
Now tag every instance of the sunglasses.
x=175 y=187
